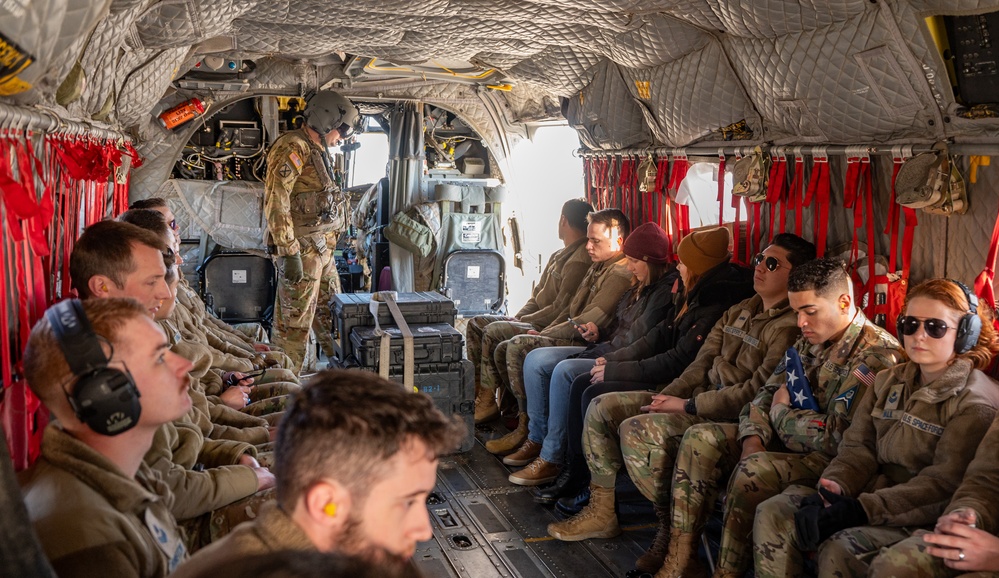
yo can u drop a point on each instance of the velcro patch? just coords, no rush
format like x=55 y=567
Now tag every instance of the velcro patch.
x=295 y=160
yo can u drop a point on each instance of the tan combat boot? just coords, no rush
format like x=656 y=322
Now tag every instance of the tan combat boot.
x=511 y=441
x=652 y=560
x=681 y=559
x=596 y=520
x=485 y=405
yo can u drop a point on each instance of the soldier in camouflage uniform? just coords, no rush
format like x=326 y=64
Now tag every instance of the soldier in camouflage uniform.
x=642 y=431
x=561 y=276
x=306 y=213
x=840 y=352
x=905 y=452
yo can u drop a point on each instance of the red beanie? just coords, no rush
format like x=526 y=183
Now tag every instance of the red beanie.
x=648 y=243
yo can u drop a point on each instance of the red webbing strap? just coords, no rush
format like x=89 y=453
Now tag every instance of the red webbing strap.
x=628 y=184
x=796 y=194
x=776 y=190
x=604 y=168
x=858 y=194
x=984 y=283
x=679 y=172
x=818 y=193
x=755 y=230
x=721 y=188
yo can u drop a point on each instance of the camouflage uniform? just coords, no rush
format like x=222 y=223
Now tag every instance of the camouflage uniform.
x=305 y=216
x=595 y=300
x=838 y=375
x=739 y=354
x=903 y=457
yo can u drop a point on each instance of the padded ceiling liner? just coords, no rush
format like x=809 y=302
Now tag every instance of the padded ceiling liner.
x=680 y=71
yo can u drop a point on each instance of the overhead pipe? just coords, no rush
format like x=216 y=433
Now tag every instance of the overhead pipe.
x=45 y=121
x=985 y=149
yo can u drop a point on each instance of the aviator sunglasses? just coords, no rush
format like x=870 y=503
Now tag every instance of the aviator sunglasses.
x=771 y=263
x=935 y=328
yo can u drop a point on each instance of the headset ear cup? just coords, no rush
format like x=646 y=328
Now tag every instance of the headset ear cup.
x=107 y=401
x=968 y=331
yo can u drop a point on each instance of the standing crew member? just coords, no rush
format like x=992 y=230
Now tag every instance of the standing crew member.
x=306 y=213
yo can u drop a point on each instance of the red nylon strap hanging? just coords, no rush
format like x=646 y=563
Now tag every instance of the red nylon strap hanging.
x=679 y=172
x=796 y=194
x=858 y=195
x=984 y=283
x=721 y=188
x=776 y=190
x=664 y=213
x=818 y=193
x=627 y=182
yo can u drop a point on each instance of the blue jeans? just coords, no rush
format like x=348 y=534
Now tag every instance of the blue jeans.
x=559 y=406
x=539 y=367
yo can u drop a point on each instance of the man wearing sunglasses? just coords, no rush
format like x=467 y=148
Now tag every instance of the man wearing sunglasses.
x=641 y=430
x=790 y=431
x=306 y=213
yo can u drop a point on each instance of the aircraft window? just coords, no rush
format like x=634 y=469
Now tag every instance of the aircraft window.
x=370 y=159
x=699 y=191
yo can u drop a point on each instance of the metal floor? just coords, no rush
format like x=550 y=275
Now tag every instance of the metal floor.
x=486 y=527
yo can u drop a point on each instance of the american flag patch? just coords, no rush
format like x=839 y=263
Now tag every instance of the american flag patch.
x=864 y=374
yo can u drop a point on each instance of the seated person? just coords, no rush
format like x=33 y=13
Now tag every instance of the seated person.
x=710 y=285
x=641 y=308
x=356 y=460
x=905 y=452
x=641 y=430
x=96 y=507
x=295 y=564
x=561 y=276
x=594 y=300
x=217 y=483
x=789 y=432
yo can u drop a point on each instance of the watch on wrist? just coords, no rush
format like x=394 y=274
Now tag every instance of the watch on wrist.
x=690 y=407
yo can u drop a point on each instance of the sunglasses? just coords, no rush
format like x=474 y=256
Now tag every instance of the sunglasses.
x=771 y=263
x=935 y=328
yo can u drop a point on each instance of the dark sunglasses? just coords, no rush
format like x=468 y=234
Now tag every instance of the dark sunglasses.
x=254 y=374
x=771 y=263
x=935 y=328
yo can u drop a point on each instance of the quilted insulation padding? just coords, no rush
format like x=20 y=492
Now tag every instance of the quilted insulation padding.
x=142 y=89
x=603 y=126
x=173 y=23
x=51 y=31
x=232 y=212
x=848 y=82
x=673 y=96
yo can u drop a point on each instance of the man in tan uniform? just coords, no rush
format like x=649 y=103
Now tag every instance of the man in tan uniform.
x=306 y=213
x=561 y=276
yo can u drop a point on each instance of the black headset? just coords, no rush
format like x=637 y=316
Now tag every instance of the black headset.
x=104 y=398
x=968 y=328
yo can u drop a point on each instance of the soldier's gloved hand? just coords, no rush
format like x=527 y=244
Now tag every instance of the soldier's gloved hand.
x=815 y=524
x=293 y=268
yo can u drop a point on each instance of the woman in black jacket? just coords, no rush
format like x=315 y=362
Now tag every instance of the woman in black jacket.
x=713 y=284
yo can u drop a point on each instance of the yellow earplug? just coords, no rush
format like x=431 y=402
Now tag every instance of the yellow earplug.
x=330 y=510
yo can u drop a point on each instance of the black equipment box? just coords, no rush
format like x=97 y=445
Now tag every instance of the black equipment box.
x=432 y=343
x=452 y=387
x=239 y=287
x=976 y=56
x=475 y=280
x=350 y=310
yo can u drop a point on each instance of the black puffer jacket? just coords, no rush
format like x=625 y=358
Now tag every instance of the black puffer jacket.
x=669 y=347
x=634 y=318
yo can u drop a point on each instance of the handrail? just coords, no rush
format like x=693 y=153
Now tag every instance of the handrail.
x=986 y=149
x=47 y=121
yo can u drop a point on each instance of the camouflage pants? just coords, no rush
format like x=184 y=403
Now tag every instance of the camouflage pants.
x=268 y=399
x=207 y=528
x=845 y=554
x=254 y=332
x=509 y=358
x=707 y=454
x=484 y=357
x=279 y=375
x=295 y=307
x=908 y=558
x=755 y=479
x=616 y=433
x=474 y=329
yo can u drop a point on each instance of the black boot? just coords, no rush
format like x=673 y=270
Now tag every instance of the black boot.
x=570 y=506
x=574 y=477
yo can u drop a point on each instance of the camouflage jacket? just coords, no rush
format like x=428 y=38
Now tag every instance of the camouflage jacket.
x=290 y=169
x=838 y=373
x=909 y=444
x=595 y=298
x=737 y=358
x=980 y=489
x=565 y=275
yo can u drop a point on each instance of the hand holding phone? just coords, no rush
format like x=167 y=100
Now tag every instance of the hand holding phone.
x=574 y=324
